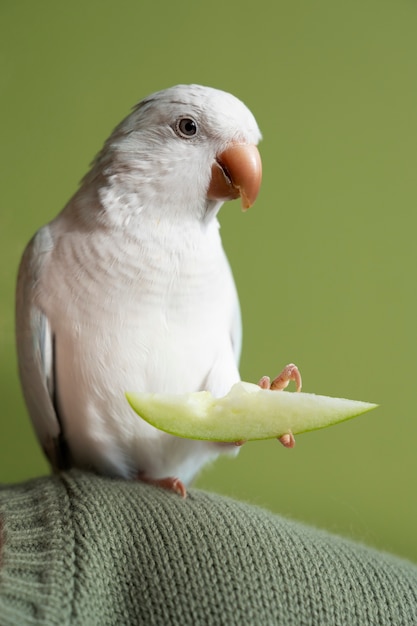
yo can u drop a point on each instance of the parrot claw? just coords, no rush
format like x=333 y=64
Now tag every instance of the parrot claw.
x=170 y=482
x=287 y=440
x=289 y=373
x=265 y=382
x=232 y=444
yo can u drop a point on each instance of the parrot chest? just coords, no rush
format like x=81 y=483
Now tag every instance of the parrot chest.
x=122 y=321
x=138 y=313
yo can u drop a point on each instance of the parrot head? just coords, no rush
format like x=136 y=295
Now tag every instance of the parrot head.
x=181 y=152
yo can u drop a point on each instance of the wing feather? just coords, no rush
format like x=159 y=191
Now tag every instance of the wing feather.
x=35 y=348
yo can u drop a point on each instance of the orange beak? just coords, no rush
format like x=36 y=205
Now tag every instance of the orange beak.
x=236 y=172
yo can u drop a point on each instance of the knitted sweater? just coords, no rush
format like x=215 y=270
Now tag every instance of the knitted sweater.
x=80 y=549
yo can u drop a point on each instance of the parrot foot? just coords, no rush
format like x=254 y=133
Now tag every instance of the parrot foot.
x=231 y=444
x=170 y=482
x=237 y=444
x=287 y=440
x=288 y=374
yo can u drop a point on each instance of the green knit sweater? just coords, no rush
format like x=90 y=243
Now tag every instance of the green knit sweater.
x=80 y=549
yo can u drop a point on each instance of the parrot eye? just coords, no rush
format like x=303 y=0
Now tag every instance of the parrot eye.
x=186 y=127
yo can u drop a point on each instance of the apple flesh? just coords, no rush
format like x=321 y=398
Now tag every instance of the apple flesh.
x=246 y=413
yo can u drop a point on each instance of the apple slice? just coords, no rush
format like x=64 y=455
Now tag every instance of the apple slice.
x=246 y=413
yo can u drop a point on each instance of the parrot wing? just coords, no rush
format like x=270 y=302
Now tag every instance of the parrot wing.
x=236 y=333
x=236 y=323
x=36 y=347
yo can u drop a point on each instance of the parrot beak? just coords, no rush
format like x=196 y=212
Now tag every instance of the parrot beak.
x=236 y=172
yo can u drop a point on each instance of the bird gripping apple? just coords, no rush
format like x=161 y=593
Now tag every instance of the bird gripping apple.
x=246 y=413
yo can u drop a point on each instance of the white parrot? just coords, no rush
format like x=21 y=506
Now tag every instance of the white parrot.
x=129 y=288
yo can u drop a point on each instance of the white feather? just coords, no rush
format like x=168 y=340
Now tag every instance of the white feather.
x=135 y=289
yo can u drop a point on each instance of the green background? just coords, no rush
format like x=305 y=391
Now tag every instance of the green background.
x=325 y=260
